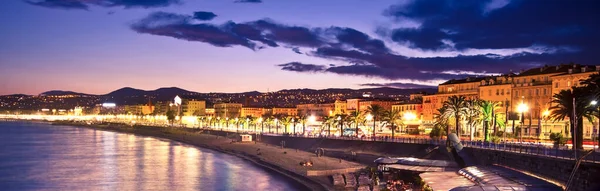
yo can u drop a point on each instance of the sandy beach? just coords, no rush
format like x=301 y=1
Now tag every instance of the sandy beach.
x=272 y=157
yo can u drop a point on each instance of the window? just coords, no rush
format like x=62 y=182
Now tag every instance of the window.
x=502 y=92
x=518 y=81
x=544 y=91
x=556 y=85
x=537 y=92
x=497 y=92
x=569 y=83
x=489 y=92
x=516 y=93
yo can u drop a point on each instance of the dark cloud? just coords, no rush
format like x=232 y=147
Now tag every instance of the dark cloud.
x=248 y=1
x=518 y=24
x=296 y=50
x=300 y=67
x=180 y=27
x=362 y=54
x=359 y=40
x=398 y=85
x=84 y=4
x=204 y=16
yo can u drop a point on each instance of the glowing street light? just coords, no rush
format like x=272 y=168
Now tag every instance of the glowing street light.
x=369 y=117
x=546 y=113
x=409 y=116
x=594 y=102
x=522 y=108
x=312 y=119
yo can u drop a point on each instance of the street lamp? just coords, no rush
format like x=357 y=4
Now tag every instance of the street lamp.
x=369 y=117
x=522 y=108
x=595 y=133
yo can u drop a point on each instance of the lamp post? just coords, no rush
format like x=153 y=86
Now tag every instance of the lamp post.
x=262 y=125
x=522 y=108
x=595 y=133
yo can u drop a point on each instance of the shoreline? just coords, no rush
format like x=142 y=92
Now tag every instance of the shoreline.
x=197 y=138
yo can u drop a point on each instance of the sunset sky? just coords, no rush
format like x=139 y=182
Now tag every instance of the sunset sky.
x=96 y=46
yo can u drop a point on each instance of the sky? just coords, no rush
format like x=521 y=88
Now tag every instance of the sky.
x=97 y=46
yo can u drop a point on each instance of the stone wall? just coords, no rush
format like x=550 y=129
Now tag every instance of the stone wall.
x=559 y=170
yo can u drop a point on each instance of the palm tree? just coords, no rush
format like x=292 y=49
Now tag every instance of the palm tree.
x=573 y=104
x=250 y=121
x=392 y=118
x=472 y=113
x=488 y=109
x=269 y=121
x=286 y=121
x=376 y=111
x=327 y=121
x=171 y=116
x=454 y=107
x=302 y=119
x=356 y=117
x=294 y=121
x=341 y=119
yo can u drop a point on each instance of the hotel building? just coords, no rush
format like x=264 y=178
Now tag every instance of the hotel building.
x=533 y=87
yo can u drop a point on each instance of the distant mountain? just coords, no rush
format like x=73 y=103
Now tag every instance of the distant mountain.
x=127 y=92
x=171 y=91
x=60 y=93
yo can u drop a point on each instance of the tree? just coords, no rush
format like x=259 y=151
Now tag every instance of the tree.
x=302 y=120
x=328 y=122
x=171 y=116
x=269 y=121
x=286 y=121
x=472 y=112
x=356 y=118
x=563 y=108
x=487 y=115
x=250 y=121
x=202 y=120
x=340 y=120
x=376 y=111
x=392 y=118
x=454 y=107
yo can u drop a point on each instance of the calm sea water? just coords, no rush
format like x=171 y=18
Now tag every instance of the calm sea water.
x=37 y=156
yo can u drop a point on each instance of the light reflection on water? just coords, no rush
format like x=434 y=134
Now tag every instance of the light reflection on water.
x=35 y=156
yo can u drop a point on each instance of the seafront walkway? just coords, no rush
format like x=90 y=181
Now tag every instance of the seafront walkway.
x=529 y=148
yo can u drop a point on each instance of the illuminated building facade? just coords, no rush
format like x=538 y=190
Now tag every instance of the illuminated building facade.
x=228 y=110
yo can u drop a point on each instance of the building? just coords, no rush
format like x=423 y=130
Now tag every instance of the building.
x=209 y=112
x=340 y=107
x=255 y=112
x=139 y=109
x=363 y=105
x=193 y=107
x=352 y=104
x=228 y=110
x=320 y=110
x=287 y=111
x=533 y=88
x=161 y=107
x=412 y=114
